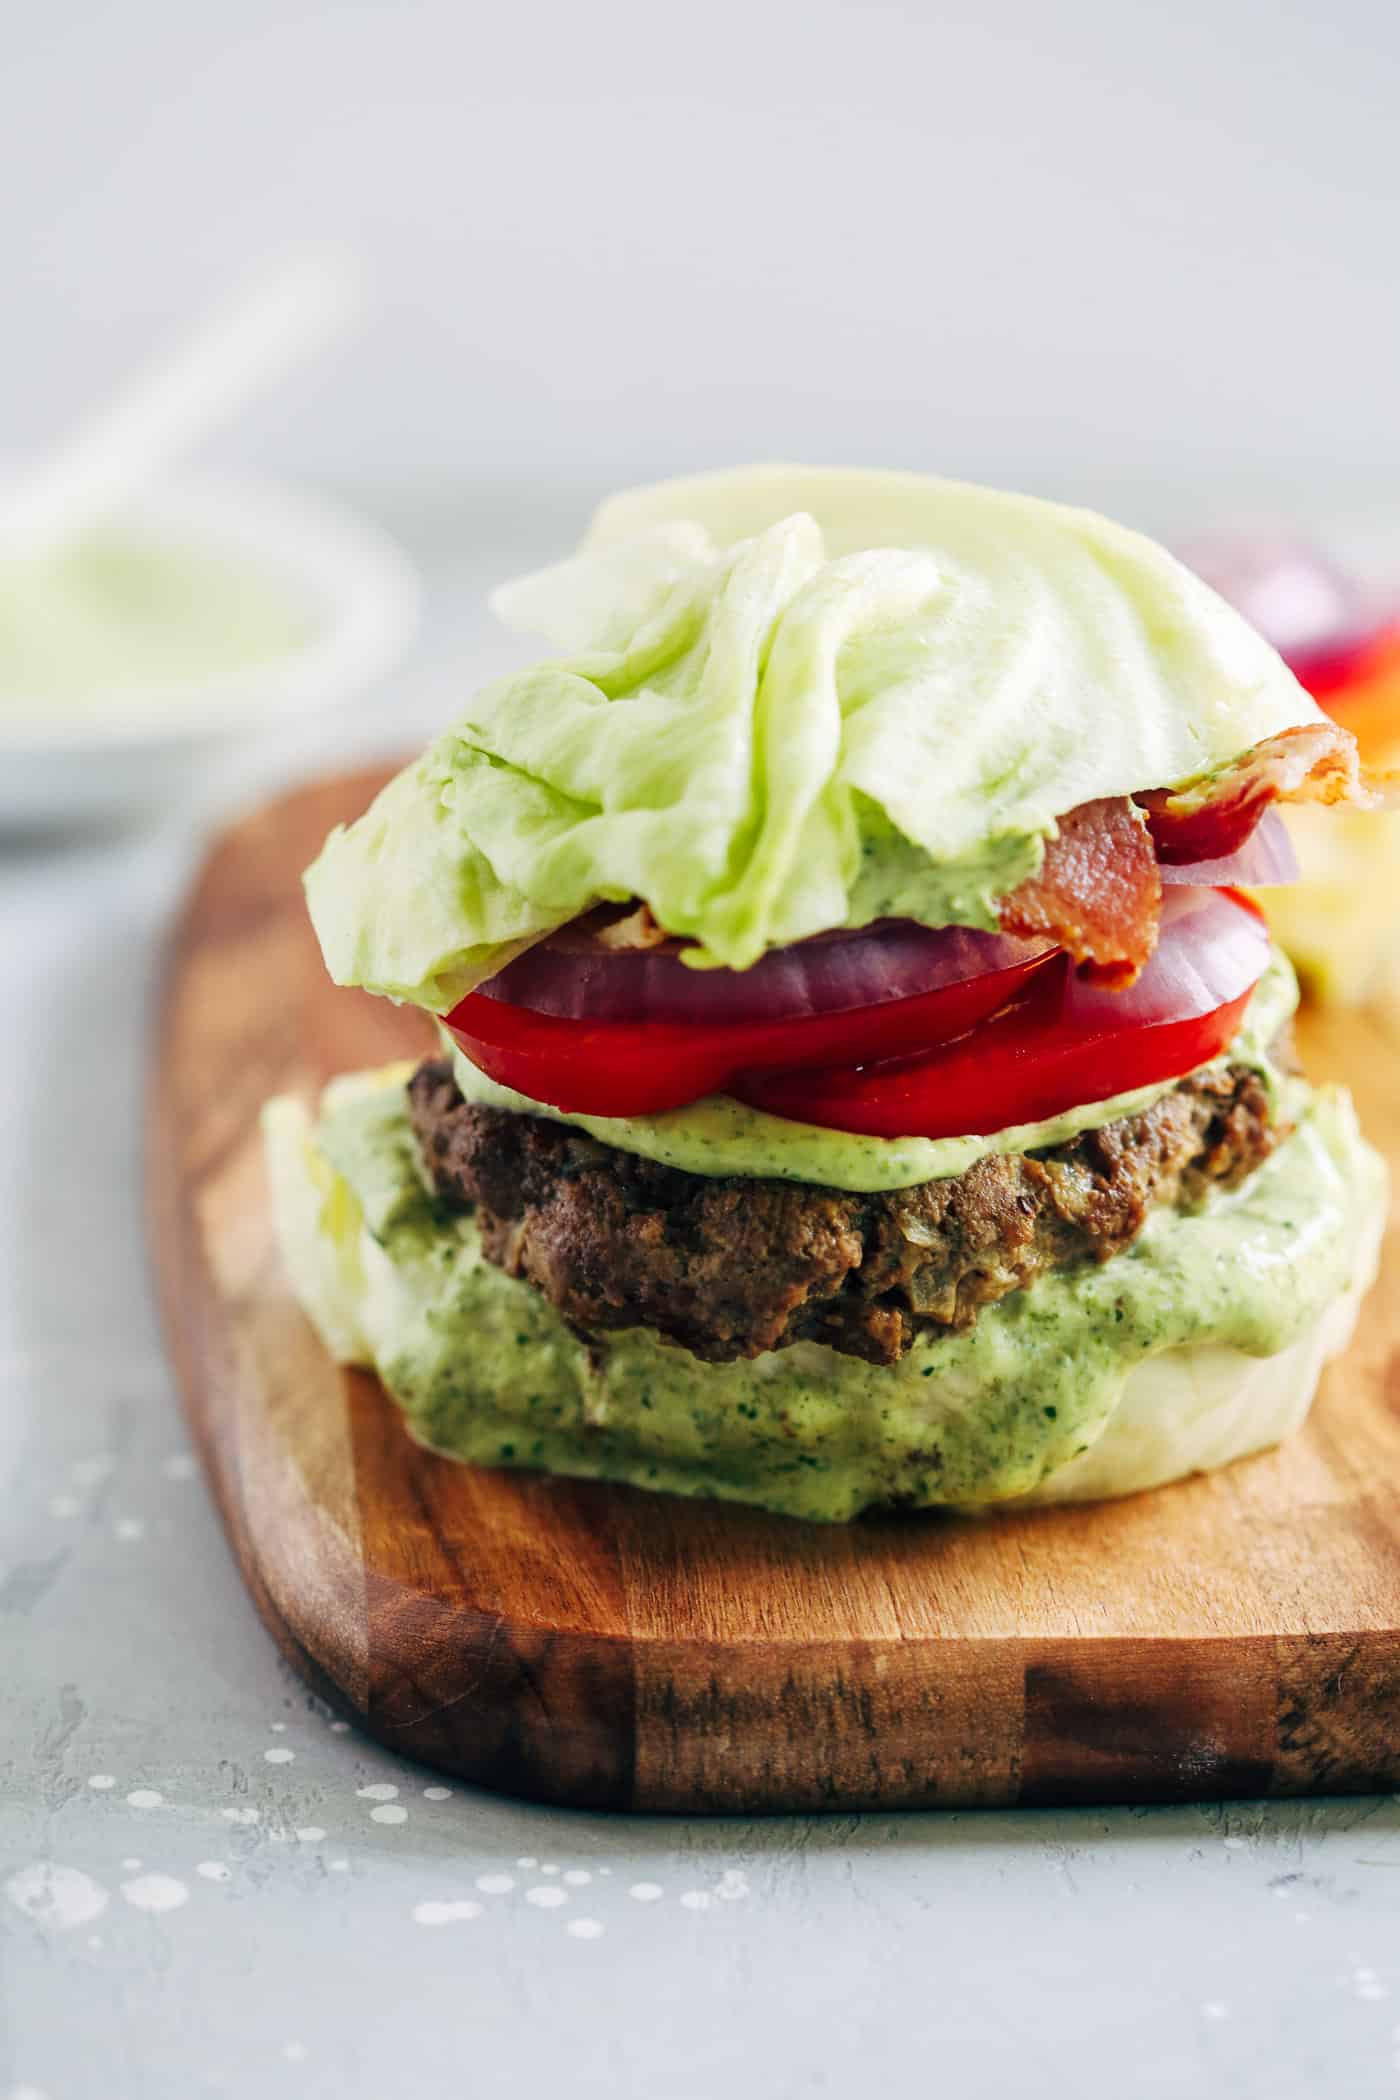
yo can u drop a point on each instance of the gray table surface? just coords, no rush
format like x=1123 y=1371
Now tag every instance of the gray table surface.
x=208 y=1887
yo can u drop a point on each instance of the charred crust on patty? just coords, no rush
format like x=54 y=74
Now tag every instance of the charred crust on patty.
x=731 y=1267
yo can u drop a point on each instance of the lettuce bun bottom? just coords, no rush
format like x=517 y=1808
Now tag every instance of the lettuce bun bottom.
x=1202 y=1344
x=1196 y=1409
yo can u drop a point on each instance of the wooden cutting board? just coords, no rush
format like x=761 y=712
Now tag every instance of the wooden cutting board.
x=1237 y=1635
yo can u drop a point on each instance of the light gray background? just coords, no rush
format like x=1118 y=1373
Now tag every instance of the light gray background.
x=1135 y=253
x=1070 y=245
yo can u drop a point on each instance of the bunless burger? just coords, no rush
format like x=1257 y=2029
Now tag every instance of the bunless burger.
x=860 y=1077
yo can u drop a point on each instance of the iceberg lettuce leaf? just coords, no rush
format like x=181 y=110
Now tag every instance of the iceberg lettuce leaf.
x=796 y=699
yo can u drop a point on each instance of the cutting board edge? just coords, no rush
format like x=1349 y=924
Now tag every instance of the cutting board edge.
x=1319 y=1715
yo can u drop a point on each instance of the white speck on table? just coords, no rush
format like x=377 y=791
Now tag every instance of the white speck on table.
x=307 y=1913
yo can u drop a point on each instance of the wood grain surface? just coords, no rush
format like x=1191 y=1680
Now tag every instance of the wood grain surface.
x=1236 y=1635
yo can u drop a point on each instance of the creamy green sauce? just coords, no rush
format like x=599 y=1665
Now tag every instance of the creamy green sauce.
x=721 y=1136
x=897 y=881
x=485 y=1370
x=125 y=613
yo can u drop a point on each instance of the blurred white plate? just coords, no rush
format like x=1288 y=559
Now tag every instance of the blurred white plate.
x=65 y=766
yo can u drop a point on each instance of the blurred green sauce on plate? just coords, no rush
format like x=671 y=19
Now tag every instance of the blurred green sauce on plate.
x=124 y=614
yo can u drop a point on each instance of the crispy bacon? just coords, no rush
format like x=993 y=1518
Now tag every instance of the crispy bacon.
x=638 y=930
x=1098 y=892
x=1213 y=816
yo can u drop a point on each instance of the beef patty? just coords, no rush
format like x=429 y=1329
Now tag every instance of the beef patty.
x=730 y=1267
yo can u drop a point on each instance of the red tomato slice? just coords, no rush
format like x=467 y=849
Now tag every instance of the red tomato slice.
x=638 y=1068
x=1063 y=1043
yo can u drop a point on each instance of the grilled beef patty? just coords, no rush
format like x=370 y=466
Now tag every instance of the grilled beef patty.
x=731 y=1267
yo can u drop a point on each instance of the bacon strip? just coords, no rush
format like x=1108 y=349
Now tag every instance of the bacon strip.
x=1098 y=892
x=1213 y=816
x=638 y=930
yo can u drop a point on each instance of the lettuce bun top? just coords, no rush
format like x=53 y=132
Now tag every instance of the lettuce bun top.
x=787 y=700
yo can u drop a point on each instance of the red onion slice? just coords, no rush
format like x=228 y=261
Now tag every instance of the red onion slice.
x=837 y=972
x=1067 y=1041
x=1266 y=860
x=1210 y=950
x=574 y=978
